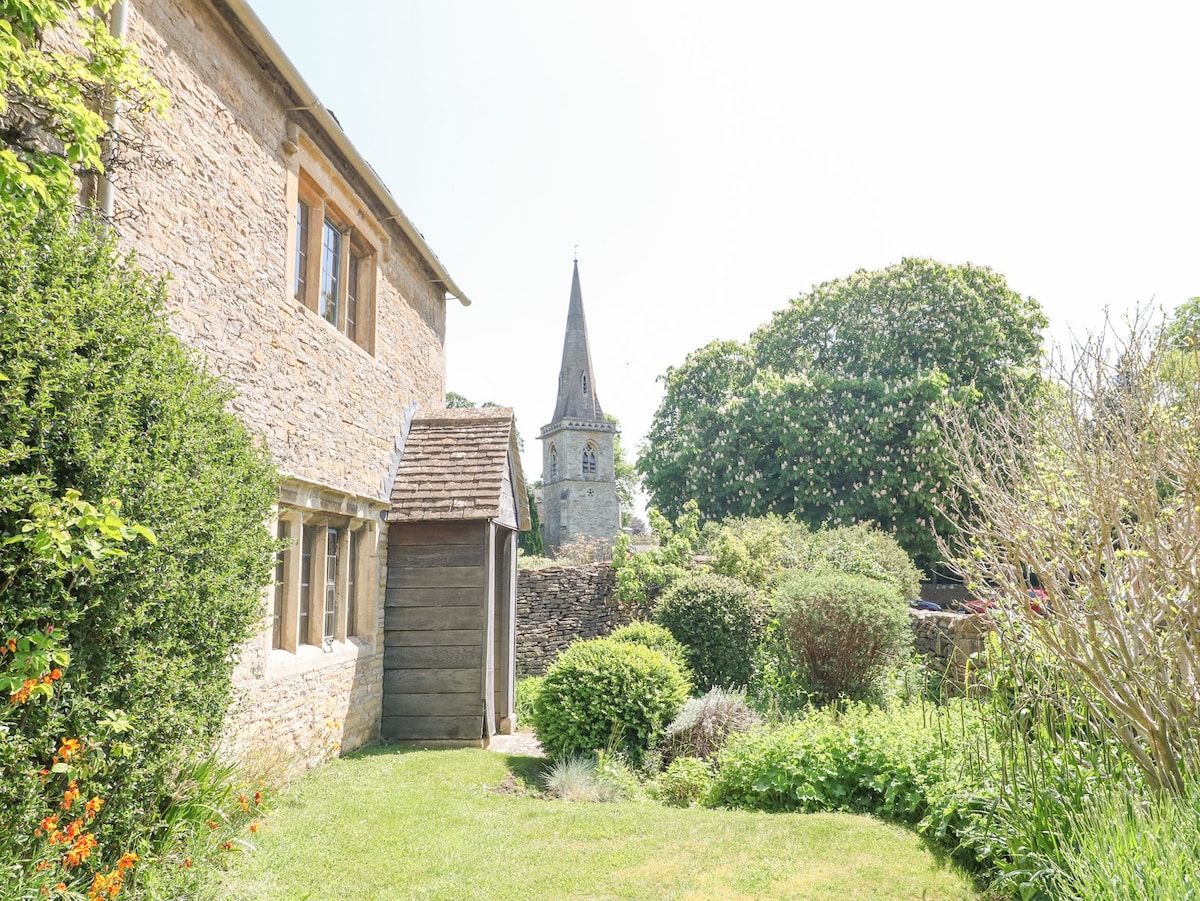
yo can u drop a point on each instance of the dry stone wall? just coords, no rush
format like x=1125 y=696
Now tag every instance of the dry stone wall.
x=948 y=640
x=560 y=604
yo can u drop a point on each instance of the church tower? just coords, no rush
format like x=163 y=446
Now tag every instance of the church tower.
x=579 y=488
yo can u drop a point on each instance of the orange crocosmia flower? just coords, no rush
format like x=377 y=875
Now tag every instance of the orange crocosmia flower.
x=11 y=646
x=61 y=887
x=212 y=824
x=49 y=824
x=243 y=802
x=73 y=830
x=228 y=846
x=93 y=806
x=254 y=827
x=128 y=859
x=257 y=798
x=56 y=674
x=43 y=865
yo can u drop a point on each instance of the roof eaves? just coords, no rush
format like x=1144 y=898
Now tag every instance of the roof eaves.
x=258 y=32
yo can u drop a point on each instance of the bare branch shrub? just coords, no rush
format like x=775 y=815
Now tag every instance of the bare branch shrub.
x=1095 y=494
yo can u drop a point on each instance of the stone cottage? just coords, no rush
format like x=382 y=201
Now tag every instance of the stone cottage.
x=299 y=278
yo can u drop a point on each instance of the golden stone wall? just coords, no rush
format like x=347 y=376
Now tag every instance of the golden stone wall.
x=209 y=204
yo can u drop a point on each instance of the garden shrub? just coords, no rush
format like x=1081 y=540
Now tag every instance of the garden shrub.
x=866 y=550
x=527 y=690
x=685 y=783
x=602 y=694
x=100 y=398
x=843 y=629
x=719 y=621
x=856 y=758
x=641 y=576
x=653 y=636
x=704 y=724
x=758 y=549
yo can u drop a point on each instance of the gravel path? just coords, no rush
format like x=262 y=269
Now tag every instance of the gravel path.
x=524 y=744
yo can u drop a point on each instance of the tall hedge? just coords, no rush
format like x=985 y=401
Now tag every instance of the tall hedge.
x=97 y=395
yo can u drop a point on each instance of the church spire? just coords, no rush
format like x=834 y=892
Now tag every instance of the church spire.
x=577 y=397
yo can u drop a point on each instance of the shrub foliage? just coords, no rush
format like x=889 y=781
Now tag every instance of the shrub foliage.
x=843 y=629
x=602 y=694
x=653 y=636
x=100 y=401
x=718 y=620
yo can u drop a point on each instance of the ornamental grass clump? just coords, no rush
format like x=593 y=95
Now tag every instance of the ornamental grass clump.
x=602 y=694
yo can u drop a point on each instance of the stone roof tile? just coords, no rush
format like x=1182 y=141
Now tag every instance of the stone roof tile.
x=453 y=467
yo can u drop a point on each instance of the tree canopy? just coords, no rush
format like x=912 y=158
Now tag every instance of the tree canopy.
x=831 y=411
x=52 y=98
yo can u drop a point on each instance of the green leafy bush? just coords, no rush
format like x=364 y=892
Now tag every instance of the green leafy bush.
x=758 y=549
x=866 y=550
x=685 y=783
x=719 y=621
x=704 y=724
x=100 y=398
x=859 y=759
x=653 y=636
x=641 y=576
x=527 y=691
x=843 y=629
x=602 y=694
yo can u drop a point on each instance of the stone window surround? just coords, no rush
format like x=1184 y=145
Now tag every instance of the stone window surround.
x=590 y=453
x=311 y=179
x=296 y=654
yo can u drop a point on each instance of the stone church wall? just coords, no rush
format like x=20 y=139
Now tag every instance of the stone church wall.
x=211 y=206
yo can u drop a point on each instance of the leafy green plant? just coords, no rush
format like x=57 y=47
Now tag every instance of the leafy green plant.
x=653 y=636
x=101 y=401
x=843 y=629
x=605 y=694
x=756 y=550
x=685 y=783
x=855 y=758
x=642 y=576
x=704 y=724
x=527 y=691
x=53 y=96
x=719 y=621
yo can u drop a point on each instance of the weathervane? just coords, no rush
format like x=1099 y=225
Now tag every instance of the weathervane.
x=576 y=253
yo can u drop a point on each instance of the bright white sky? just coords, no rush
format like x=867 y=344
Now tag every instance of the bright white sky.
x=713 y=160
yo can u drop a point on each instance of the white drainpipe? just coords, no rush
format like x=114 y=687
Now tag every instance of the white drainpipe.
x=112 y=116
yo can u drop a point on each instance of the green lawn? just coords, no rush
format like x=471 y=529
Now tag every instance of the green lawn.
x=390 y=823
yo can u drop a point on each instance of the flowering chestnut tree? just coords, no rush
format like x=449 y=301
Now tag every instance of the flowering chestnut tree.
x=831 y=411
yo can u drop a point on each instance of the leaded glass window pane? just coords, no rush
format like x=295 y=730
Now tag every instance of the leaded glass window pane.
x=331 y=272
